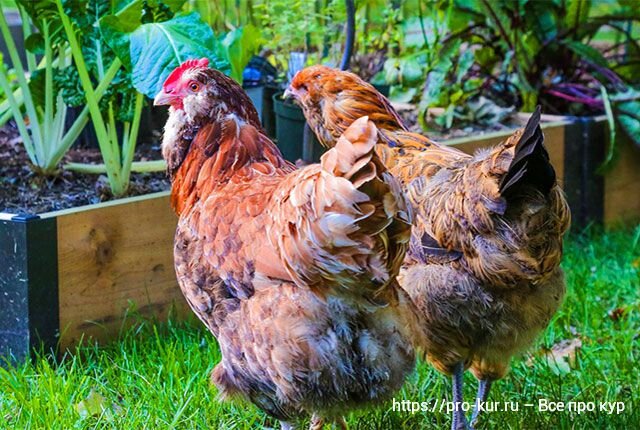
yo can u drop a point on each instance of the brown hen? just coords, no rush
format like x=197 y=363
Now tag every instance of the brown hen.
x=483 y=264
x=293 y=271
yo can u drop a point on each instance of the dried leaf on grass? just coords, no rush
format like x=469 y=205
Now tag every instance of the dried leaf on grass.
x=618 y=313
x=561 y=358
x=95 y=404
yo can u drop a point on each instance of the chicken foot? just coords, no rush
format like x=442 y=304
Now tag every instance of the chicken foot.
x=459 y=421
x=341 y=424
x=317 y=422
x=484 y=385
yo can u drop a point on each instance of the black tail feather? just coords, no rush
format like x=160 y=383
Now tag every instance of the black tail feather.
x=530 y=165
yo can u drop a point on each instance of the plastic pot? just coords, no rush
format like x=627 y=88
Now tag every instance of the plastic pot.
x=268 y=114
x=15 y=28
x=382 y=89
x=255 y=93
x=290 y=125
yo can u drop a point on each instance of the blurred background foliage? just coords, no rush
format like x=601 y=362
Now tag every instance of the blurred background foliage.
x=473 y=62
x=478 y=60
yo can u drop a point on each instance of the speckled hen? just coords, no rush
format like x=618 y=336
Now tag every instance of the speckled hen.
x=293 y=271
x=483 y=265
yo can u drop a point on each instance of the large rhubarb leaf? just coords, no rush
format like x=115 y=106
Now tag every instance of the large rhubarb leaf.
x=152 y=50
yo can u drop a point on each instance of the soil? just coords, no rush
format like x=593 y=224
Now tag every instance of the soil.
x=22 y=191
x=410 y=118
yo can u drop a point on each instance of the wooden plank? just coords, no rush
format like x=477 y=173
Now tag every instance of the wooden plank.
x=122 y=201
x=111 y=257
x=622 y=185
x=553 y=140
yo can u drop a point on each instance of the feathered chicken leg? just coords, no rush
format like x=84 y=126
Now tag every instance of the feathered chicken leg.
x=459 y=421
x=484 y=386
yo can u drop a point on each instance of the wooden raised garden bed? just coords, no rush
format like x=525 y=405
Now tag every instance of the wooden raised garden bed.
x=81 y=273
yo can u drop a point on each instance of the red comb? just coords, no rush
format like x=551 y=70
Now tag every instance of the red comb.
x=189 y=64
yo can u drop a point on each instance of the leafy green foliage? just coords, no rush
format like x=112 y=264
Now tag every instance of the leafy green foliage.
x=68 y=82
x=559 y=54
x=518 y=54
x=84 y=14
x=151 y=50
x=438 y=63
x=35 y=105
x=314 y=28
x=239 y=45
x=158 y=48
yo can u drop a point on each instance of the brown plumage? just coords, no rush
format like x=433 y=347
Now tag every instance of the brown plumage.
x=293 y=271
x=483 y=265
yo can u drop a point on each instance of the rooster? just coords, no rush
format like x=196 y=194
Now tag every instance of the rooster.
x=293 y=271
x=483 y=263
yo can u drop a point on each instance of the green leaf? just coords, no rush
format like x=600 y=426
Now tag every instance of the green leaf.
x=529 y=100
x=542 y=17
x=447 y=55
x=498 y=16
x=239 y=46
x=486 y=57
x=486 y=112
x=587 y=52
x=158 y=48
x=464 y=64
x=401 y=95
x=612 y=127
x=68 y=82
x=391 y=70
x=37 y=87
x=577 y=13
x=35 y=43
x=411 y=72
x=627 y=114
x=531 y=45
x=413 y=36
x=116 y=28
x=432 y=89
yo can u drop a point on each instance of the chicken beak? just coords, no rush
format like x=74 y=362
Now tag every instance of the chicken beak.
x=163 y=98
x=290 y=93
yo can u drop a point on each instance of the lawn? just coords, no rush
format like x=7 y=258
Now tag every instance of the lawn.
x=157 y=376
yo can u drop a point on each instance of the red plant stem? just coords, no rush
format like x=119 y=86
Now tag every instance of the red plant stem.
x=586 y=101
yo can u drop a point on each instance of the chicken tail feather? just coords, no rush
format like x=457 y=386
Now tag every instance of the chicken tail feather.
x=530 y=164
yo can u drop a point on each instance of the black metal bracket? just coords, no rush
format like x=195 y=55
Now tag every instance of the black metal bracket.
x=585 y=142
x=29 y=304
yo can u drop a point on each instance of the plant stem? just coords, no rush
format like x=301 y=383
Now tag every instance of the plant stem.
x=83 y=118
x=15 y=111
x=113 y=165
x=47 y=129
x=129 y=146
x=612 y=127
x=136 y=167
x=22 y=80
x=26 y=32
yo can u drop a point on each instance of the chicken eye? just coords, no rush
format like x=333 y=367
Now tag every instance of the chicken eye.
x=194 y=86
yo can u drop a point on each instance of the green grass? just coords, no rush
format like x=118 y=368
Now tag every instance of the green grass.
x=157 y=376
